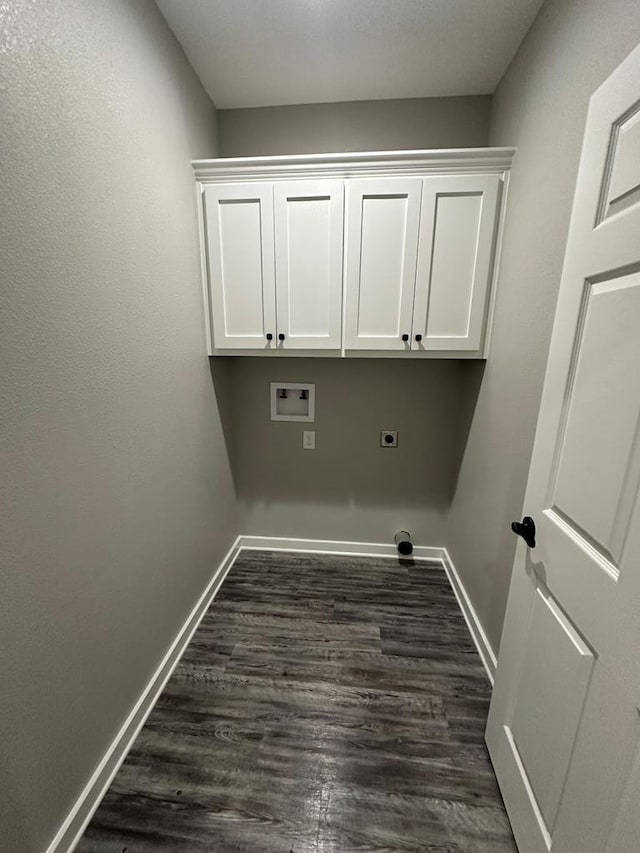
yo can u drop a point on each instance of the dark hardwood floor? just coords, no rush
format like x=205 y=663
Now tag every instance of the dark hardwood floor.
x=324 y=704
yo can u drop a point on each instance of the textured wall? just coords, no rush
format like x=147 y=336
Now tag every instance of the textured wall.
x=115 y=487
x=356 y=126
x=540 y=107
x=349 y=488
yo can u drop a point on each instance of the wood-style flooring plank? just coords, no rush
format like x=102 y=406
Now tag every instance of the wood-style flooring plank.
x=325 y=704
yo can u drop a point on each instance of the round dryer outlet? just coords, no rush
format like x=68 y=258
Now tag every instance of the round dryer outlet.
x=389 y=438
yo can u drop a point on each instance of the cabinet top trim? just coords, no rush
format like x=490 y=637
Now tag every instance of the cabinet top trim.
x=359 y=164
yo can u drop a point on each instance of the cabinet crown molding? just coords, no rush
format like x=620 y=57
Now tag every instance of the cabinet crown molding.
x=355 y=164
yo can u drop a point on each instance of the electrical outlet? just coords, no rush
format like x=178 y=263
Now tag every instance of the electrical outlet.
x=389 y=438
x=308 y=439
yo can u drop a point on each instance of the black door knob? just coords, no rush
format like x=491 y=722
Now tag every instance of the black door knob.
x=281 y=336
x=269 y=336
x=527 y=529
x=405 y=337
x=418 y=338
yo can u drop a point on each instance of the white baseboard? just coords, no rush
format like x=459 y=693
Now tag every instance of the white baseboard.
x=485 y=650
x=330 y=546
x=78 y=818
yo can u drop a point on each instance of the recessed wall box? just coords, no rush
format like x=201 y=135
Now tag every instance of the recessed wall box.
x=293 y=401
x=389 y=438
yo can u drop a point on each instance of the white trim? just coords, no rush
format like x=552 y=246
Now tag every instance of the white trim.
x=416 y=354
x=337 y=547
x=484 y=647
x=204 y=269
x=353 y=353
x=85 y=806
x=90 y=797
x=495 y=263
x=358 y=164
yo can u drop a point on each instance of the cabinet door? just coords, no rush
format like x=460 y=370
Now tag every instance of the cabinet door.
x=309 y=227
x=239 y=234
x=382 y=242
x=457 y=234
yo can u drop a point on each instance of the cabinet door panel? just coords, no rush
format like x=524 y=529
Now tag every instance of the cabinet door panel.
x=457 y=230
x=239 y=231
x=382 y=241
x=308 y=231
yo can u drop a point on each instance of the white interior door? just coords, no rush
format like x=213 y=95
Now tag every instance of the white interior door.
x=383 y=216
x=564 y=726
x=240 y=256
x=457 y=236
x=309 y=225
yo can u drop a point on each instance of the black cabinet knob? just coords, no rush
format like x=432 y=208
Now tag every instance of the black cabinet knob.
x=405 y=337
x=269 y=336
x=281 y=336
x=527 y=529
x=418 y=338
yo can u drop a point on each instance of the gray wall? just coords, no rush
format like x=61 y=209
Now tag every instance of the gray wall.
x=349 y=488
x=356 y=126
x=116 y=494
x=540 y=107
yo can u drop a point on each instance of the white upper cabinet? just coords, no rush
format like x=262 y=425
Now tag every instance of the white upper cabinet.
x=455 y=254
x=390 y=254
x=383 y=217
x=308 y=241
x=240 y=255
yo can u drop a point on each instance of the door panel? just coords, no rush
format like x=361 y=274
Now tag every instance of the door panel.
x=309 y=227
x=564 y=728
x=382 y=243
x=552 y=687
x=453 y=260
x=457 y=235
x=626 y=831
x=621 y=187
x=601 y=420
x=239 y=229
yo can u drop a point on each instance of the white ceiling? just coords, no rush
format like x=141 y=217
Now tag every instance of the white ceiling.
x=265 y=52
